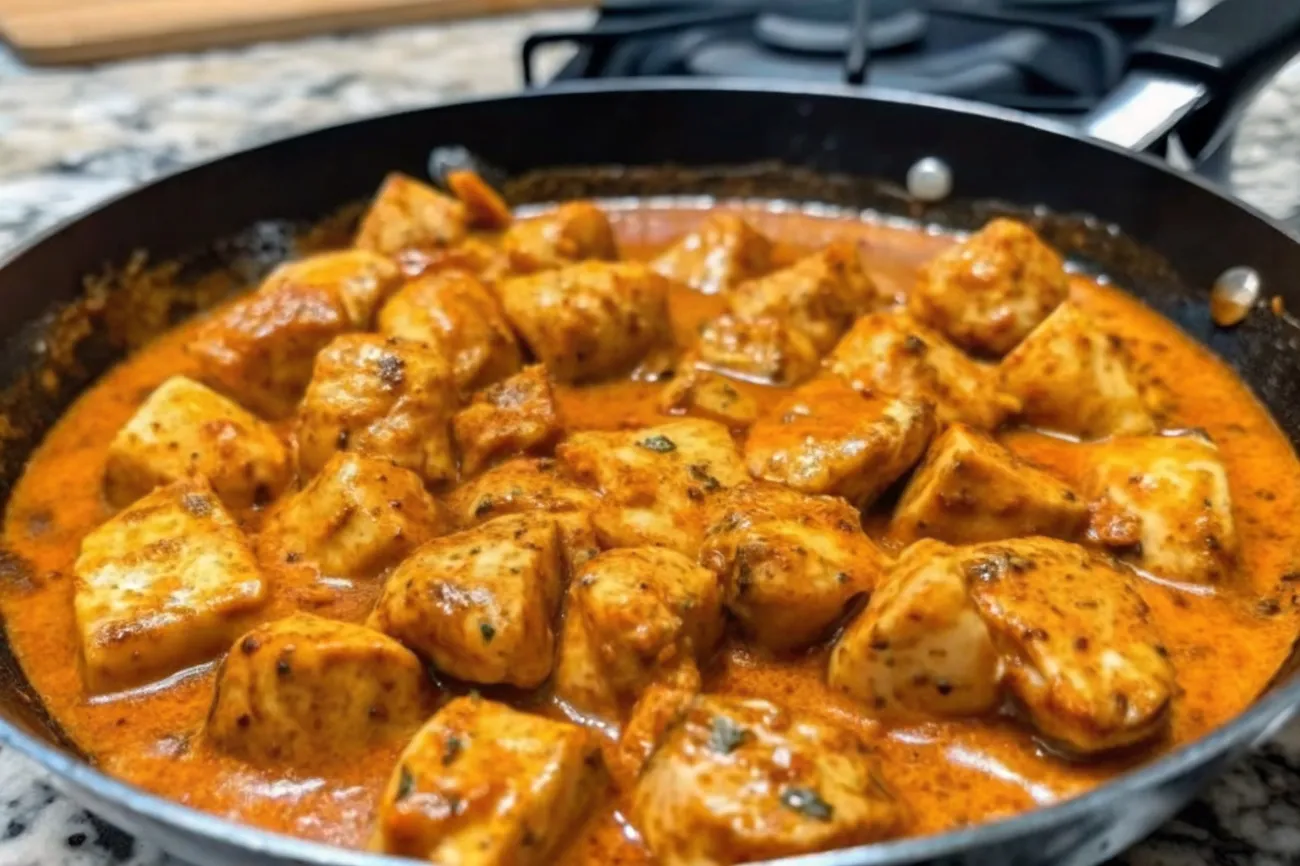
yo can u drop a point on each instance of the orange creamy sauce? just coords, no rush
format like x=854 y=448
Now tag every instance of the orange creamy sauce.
x=1226 y=644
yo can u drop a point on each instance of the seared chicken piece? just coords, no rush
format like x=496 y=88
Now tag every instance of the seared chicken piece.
x=484 y=785
x=456 y=316
x=484 y=206
x=819 y=295
x=527 y=486
x=722 y=252
x=480 y=604
x=358 y=516
x=656 y=482
x=988 y=292
x=742 y=780
x=828 y=438
x=381 y=398
x=789 y=563
x=633 y=617
x=890 y=354
x=591 y=320
x=971 y=489
x=165 y=584
x=517 y=416
x=572 y=232
x=303 y=688
x=1072 y=377
x=260 y=348
x=1082 y=653
x=763 y=349
x=660 y=707
x=1163 y=503
x=362 y=280
x=709 y=396
x=407 y=214
x=920 y=647
x=473 y=256
x=184 y=430
x=519 y=487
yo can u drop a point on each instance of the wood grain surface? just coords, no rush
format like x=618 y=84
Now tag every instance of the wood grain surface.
x=79 y=31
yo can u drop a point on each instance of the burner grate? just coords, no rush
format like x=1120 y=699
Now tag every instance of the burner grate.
x=1055 y=57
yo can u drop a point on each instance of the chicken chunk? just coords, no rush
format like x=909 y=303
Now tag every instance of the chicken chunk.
x=526 y=486
x=1163 y=503
x=1083 y=656
x=305 y=688
x=381 y=398
x=357 y=517
x=485 y=785
x=656 y=482
x=407 y=214
x=362 y=280
x=891 y=354
x=573 y=232
x=517 y=416
x=591 y=320
x=721 y=253
x=988 y=292
x=634 y=616
x=480 y=604
x=789 y=563
x=260 y=348
x=472 y=256
x=1072 y=377
x=702 y=394
x=819 y=295
x=165 y=584
x=826 y=438
x=920 y=646
x=971 y=489
x=763 y=349
x=743 y=780
x=456 y=316
x=484 y=206
x=660 y=707
x=184 y=430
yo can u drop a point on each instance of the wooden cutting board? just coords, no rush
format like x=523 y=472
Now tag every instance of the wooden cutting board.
x=78 y=31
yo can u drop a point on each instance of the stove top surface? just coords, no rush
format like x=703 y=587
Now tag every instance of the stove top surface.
x=1054 y=57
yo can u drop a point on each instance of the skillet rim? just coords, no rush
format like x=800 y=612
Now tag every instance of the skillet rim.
x=1248 y=729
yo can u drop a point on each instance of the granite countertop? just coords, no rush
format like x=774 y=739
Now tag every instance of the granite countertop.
x=69 y=138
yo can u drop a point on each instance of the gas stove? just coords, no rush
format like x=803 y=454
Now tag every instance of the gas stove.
x=1053 y=57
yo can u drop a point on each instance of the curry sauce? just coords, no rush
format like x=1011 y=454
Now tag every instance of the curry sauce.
x=1225 y=641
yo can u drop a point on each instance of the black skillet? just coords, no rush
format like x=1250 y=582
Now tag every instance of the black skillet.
x=1164 y=235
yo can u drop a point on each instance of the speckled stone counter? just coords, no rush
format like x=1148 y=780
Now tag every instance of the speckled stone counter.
x=70 y=138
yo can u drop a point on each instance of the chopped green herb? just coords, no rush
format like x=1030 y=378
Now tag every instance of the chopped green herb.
x=807 y=802
x=483 y=507
x=488 y=631
x=701 y=474
x=660 y=444
x=451 y=750
x=405 y=783
x=726 y=736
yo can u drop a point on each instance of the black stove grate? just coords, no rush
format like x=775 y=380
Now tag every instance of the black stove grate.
x=1054 y=57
